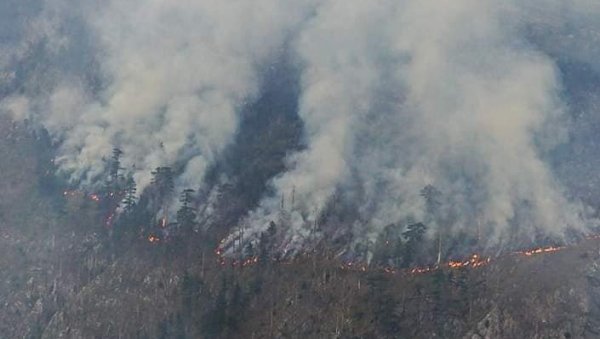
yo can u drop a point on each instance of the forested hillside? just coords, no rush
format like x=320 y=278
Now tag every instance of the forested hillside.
x=68 y=273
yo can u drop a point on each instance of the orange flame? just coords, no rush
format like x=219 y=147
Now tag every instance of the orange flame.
x=420 y=270
x=474 y=261
x=153 y=239
x=541 y=250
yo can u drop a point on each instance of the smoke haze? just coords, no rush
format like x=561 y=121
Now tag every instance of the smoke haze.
x=483 y=100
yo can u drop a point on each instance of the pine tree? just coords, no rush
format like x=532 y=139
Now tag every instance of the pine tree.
x=432 y=198
x=129 y=201
x=162 y=188
x=162 y=179
x=186 y=216
x=266 y=241
x=115 y=165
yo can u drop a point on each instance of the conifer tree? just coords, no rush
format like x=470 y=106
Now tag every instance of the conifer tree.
x=115 y=165
x=129 y=201
x=162 y=179
x=186 y=216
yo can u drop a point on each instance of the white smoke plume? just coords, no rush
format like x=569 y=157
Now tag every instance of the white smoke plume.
x=465 y=95
x=444 y=93
x=176 y=75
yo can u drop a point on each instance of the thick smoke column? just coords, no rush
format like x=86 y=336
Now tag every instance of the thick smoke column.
x=174 y=75
x=338 y=82
x=466 y=97
x=398 y=96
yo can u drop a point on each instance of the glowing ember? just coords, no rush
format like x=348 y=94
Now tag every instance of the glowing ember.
x=474 y=261
x=541 y=250
x=249 y=261
x=354 y=266
x=109 y=220
x=420 y=270
x=153 y=239
x=70 y=193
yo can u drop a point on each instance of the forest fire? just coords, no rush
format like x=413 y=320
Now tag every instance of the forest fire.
x=474 y=261
x=421 y=270
x=74 y=193
x=249 y=261
x=70 y=193
x=389 y=270
x=541 y=250
x=153 y=239
x=109 y=219
x=354 y=266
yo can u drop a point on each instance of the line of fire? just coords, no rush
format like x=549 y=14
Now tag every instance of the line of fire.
x=472 y=262
x=120 y=196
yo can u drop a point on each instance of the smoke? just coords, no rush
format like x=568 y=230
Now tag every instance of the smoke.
x=173 y=77
x=471 y=97
x=454 y=94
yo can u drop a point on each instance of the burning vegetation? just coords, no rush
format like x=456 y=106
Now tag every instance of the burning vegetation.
x=119 y=202
x=153 y=239
x=541 y=250
x=472 y=262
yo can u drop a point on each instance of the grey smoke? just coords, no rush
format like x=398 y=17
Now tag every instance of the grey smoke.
x=451 y=94
x=465 y=95
x=176 y=75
